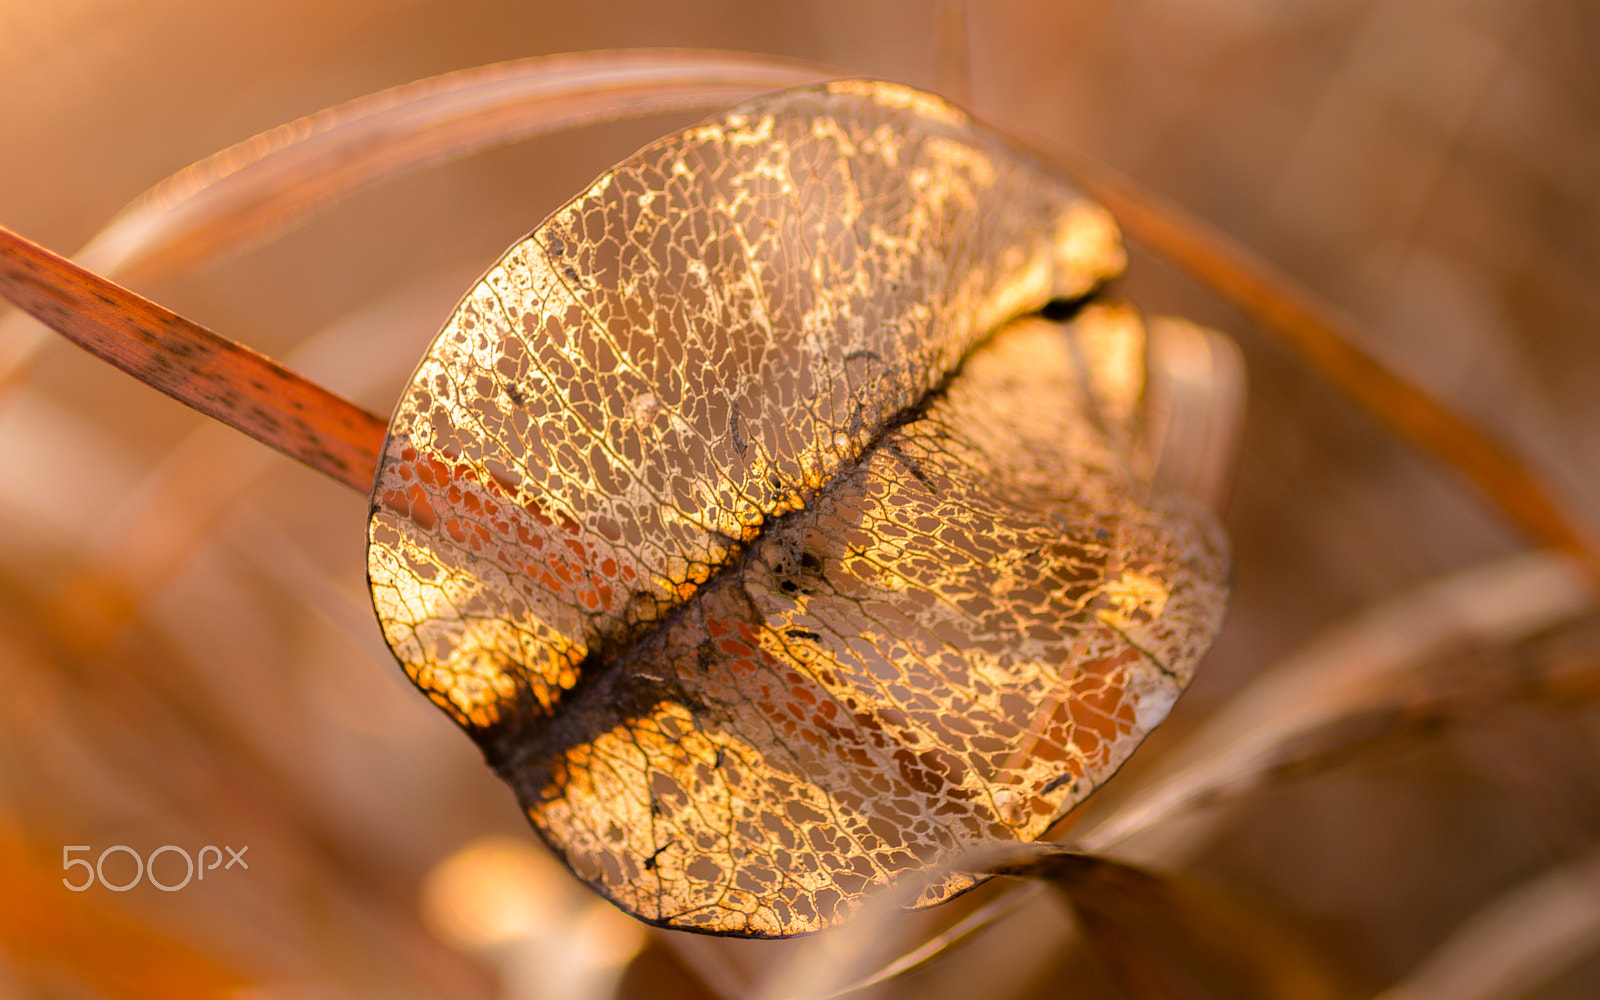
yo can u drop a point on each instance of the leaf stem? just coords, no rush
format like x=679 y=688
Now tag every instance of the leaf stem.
x=224 y=380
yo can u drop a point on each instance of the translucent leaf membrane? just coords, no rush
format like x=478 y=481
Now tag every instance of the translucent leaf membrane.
x=752 y=556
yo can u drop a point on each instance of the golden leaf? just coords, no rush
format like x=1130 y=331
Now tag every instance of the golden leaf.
x=761 y=554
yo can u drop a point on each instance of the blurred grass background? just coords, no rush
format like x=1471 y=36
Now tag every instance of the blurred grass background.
x=187 y=652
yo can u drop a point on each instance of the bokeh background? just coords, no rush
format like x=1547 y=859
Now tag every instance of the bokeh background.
x=188 y=656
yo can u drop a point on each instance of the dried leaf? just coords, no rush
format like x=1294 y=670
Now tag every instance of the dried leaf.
x=751 y=556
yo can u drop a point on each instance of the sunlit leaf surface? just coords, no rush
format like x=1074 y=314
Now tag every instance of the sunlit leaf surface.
x=752 y=556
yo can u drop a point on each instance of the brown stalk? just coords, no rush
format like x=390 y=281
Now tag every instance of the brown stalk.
x=222 y=379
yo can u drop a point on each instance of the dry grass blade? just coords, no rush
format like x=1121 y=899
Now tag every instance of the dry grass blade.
x=1442 y=694
x=1164 y=935
x=1327 y=340
x=271 y=182
x=222 y=379
x=1519 y=942
x=268 y=183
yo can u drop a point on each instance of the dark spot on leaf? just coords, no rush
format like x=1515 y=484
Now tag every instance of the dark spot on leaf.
x=1055 y=783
